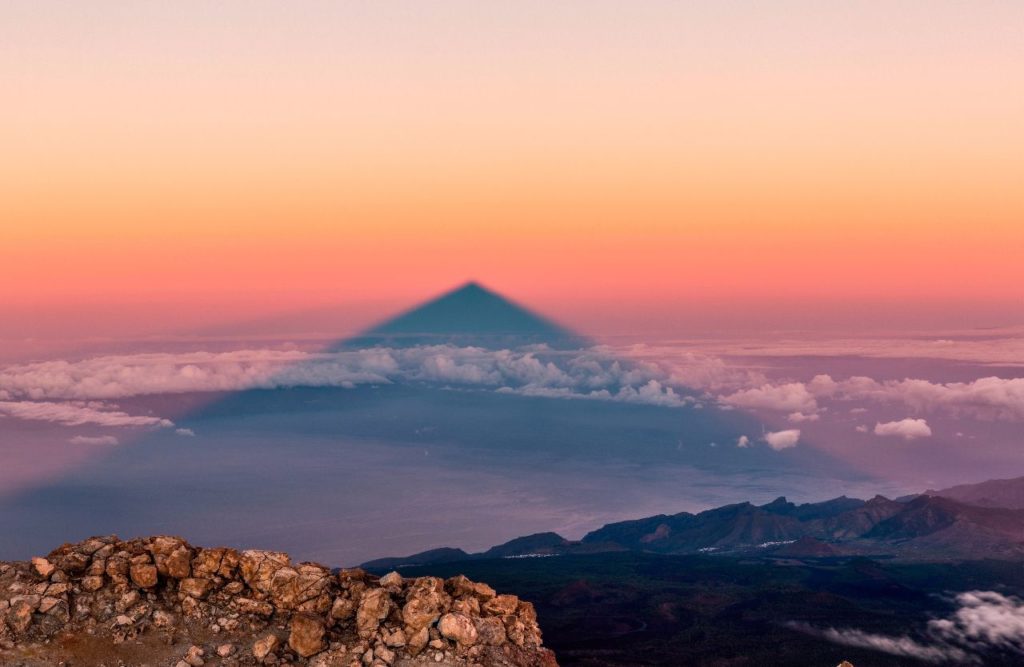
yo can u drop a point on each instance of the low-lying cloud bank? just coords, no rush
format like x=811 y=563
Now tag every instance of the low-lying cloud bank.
x=49 y=390
x=989 y=398
x=982 y=622
x=631 y=375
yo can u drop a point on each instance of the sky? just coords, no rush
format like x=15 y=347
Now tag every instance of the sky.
x=179 y=165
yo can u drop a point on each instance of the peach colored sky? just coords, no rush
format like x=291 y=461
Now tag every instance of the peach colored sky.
x=255 y=157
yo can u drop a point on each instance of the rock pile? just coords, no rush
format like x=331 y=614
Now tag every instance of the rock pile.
x=103 y=599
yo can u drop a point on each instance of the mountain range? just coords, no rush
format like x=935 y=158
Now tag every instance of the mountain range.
x=930 y=526
x=1007 y=493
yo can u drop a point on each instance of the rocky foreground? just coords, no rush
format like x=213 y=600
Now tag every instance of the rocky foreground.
x=160 y=601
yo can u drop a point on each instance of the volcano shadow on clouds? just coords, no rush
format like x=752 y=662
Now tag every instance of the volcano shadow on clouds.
x=345 y=475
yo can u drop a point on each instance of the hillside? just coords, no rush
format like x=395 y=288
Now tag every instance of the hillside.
x=1008 y=493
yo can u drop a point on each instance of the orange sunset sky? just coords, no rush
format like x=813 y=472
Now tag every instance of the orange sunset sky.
x=247 y=158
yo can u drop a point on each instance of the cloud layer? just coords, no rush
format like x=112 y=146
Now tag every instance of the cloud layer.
x=54 y=390
x=76 y=415
x=632 y=374
x=93 y=440
x=988 y=398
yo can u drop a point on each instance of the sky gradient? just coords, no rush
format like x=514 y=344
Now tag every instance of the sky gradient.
x=250 y=158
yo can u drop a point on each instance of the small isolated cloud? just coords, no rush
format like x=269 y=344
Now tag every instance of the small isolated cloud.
x=861 y=429
x=187 y=432
x=908 y=429
x=93 y=440
x=779 y=440
x=743 y=442
x=797 y=417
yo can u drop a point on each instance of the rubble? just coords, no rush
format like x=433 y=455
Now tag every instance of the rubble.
x=175 y=604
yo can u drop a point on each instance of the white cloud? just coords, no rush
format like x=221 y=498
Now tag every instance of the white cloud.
x=187 y=432
x=599 y=373
x=861 y=428
x=779 y=440
x=1003 y=347
x=93 y=440
x=984 y=398
x=594 y=373
x=75 y=415
x=908 y=429
x=743 y=442
x=989 y=398
x=899 y=646
x=981 y=622
x=984 y=616
x=790 y=397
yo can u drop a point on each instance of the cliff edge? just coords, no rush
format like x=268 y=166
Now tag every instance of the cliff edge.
x=160 y=601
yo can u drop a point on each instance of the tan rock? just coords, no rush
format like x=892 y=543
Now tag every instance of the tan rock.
x=258 y=568
x=144 y=575
x=526 y=612
x=458 y=628
x=56 y=590
x=395 y=639
x=215 y=562
x=195 y=588
x=306 y=635
x=19 y=616
x=43 y=567
x=265 y=645
x=502 y=605
x=93 y=583
x=391 y=579
x=194 y=656
x=343 y=609
x=418 y=641
x=470 y=606
x=384 y=654
x=116 y=567
x=179 y=563
x=254 y=607
x=426 y=601
x=47 y=604
x=491 y=631
x=234 y=588
x=374 y=607
x=460 y=586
